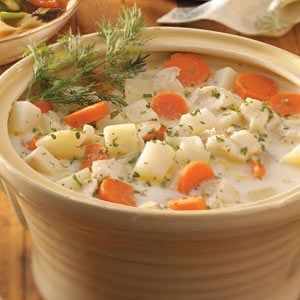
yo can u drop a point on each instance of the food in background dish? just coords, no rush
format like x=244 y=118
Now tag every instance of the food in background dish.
x=17 y=16
x=165 y=131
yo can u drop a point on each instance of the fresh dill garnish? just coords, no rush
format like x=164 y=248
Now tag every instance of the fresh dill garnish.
x=86 y=68
x=115 y=99
x=122 y=39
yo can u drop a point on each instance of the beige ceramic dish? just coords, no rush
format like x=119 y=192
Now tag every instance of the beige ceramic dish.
x=12 y=46
x=89 y=249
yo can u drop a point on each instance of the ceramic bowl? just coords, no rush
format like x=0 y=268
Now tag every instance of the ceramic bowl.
x=90 y=249
x=12 y=47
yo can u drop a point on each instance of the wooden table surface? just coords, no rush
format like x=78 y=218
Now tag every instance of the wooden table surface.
x=15 y=245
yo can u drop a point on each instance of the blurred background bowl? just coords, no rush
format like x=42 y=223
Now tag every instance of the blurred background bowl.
x=12 y=46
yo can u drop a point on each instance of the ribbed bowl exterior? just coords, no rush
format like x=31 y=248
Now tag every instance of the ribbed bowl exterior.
x=74 y=262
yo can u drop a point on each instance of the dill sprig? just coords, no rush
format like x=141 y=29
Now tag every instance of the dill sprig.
x=83 y=58
x=115 y=99
x=122 y=60
x=122 y=39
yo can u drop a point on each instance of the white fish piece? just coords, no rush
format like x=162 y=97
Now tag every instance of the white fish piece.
x=114 y=118
x=76 y=180
x=24 y=116
x=50 y=121
x=247 y=141
x=198 y=121
x=256 y=114
x=229 y=117
x=223 y=78
x=166 y=80
x=223 y=195
x=43 y=161
x=191 y=149
x=213 y=98
x=155 y=161
x=290 y=129
x=150 y=205
x=222 y=146
x=110 y=168
x=89 y=187
x=89 y=135
x=139 y=112
x=137 y=88
x=146 y=127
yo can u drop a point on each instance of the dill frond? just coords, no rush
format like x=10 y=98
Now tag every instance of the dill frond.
x=83 y=58
x=87 y=70
x=115 y=99
x=122 y=59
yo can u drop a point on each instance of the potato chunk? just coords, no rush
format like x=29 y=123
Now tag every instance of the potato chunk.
x=121 y=139
x=43 y=161
x=155 y=161
x=224 y=78
x=293 y=157
x=24 y=116
x=63 y=144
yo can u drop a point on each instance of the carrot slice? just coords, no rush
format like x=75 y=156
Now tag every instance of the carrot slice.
x=92 y=153
x=193 y=68
x=44 y=106
x=117 y=191
x=155 y=134
x=189 y=203
x=169 y=105
x=286 y=103
x=87 y=115
x=255 y=86
x=192 y=175
x=258 y=169
x=31 y=145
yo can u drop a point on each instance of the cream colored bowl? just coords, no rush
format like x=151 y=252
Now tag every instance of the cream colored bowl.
x=12 y=47
x=90 y=249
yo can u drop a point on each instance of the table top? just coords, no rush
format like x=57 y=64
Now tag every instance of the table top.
x=15 y=245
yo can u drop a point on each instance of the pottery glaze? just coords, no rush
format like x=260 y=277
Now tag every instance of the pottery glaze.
x=90 y=249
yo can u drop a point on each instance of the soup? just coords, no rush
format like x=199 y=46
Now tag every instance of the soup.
x=197 y=133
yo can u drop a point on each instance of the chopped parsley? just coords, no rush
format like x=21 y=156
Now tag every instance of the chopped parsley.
x=220 y=139
x=76 y=179
x=215 y=93
x=244 y=151
x=187 y=93
x=77 y=134
x=194 y=113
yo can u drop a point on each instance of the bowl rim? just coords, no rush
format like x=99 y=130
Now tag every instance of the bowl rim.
x=76 y=198
x=69 y=11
